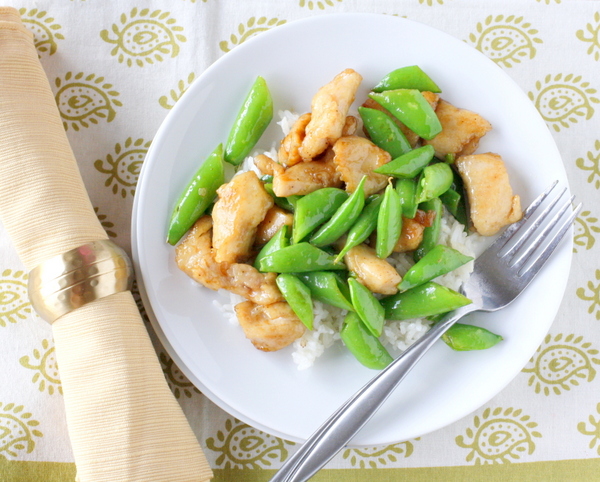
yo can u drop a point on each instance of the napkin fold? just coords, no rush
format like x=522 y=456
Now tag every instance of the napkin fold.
x=123 y=421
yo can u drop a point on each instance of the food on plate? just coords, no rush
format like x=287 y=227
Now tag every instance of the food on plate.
x=339 y=232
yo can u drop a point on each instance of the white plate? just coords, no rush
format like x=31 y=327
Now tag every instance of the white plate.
x=266 y=390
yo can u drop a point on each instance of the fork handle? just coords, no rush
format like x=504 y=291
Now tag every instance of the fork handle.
x=341 y=427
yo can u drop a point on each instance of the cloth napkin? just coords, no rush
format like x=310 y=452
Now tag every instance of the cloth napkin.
x=124 y=423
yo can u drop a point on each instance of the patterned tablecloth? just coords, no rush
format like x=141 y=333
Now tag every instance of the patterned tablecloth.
x=118 y=67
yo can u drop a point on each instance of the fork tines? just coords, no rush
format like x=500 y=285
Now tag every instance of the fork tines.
x=521 y=253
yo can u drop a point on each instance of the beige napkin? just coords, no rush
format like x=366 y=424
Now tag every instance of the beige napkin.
x=123 y=421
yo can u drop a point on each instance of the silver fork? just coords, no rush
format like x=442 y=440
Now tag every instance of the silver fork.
x=500 y=274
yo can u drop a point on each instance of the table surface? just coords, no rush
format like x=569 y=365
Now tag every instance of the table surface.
x=544 y=426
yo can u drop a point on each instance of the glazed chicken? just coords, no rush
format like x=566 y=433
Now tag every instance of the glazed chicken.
x=376 y=274
x=461 y=131
x=240 y=208
x=274 y=220
x=289 y=154
x=269 y=327
x=329 y=108
x=306 y=177
x=356 y=157
x=195 y=257
x=492 y=204
x=412 y=231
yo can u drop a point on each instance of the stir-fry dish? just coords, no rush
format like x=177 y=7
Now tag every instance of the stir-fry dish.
x=359 y=225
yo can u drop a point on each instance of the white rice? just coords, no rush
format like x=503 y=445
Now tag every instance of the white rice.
x=397 y=335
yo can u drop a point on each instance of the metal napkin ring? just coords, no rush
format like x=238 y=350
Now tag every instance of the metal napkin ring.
x=70 y=280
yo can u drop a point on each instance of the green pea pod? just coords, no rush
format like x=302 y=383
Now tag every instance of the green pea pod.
x=408 y=165
x=288 y=203
x=438 y=261
x=367 y=307
x=343 y=219
x=197 y=196
x=384 y=132
x=251 y=121
x=364 y=225
x=469 y=337
x=315 y=209
x=327 y=287
x=454 y=200
x=299 y=258
x=365 y=347
x=425 y=300
x=297 y=294
x=412 y=109
x=435 y=180
x=431 y=234
x=389 y=223
x=411 y=77
x=278 y=241
x=407 y=191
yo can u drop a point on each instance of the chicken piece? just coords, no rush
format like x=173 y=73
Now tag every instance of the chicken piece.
x=376 y=274
x=329 y=109
x=195 y=257
x=240 y=208
x=461 y=131
x=288 y=154
x=355 y=157
x=269 y=327
x=412 y=231
x=275 y=218
x=492 y=204
x=266 y=165
x=306 y=177
x=411 y=137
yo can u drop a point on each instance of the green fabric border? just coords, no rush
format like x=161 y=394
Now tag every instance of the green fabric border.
x=558 y=471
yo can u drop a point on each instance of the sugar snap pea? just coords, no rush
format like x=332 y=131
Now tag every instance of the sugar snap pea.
x=314 y=209
x=297 y=294
x=412 y=109
x=389 y=223
x=197 y=196
x=367 y=307
x=278 y=241
x=461 y=337
x=407 y=192
x=431 y=234
x=424 y=300
x=410 y=77
x=384 y=132
x=328 y=287
x=434 y=181
x=438 y=261
x=299 y=258
x=365 y=347
x=251 y=121
x=454 y=200
x=343 y=219
x=408 y=165
x=364 y=225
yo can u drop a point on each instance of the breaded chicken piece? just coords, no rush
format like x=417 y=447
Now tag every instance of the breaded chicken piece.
x=289 y=155
x=275 y=219
x=411 y=137
x=375 y=273
x=269 y=327
x=195 y=257
x=329 y=108
x=241 y=206
x=306 y=177
x=461 y=131
x=492 y=204
x=356 y=157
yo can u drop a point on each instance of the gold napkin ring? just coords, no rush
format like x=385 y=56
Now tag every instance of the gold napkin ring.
x=70 y=280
